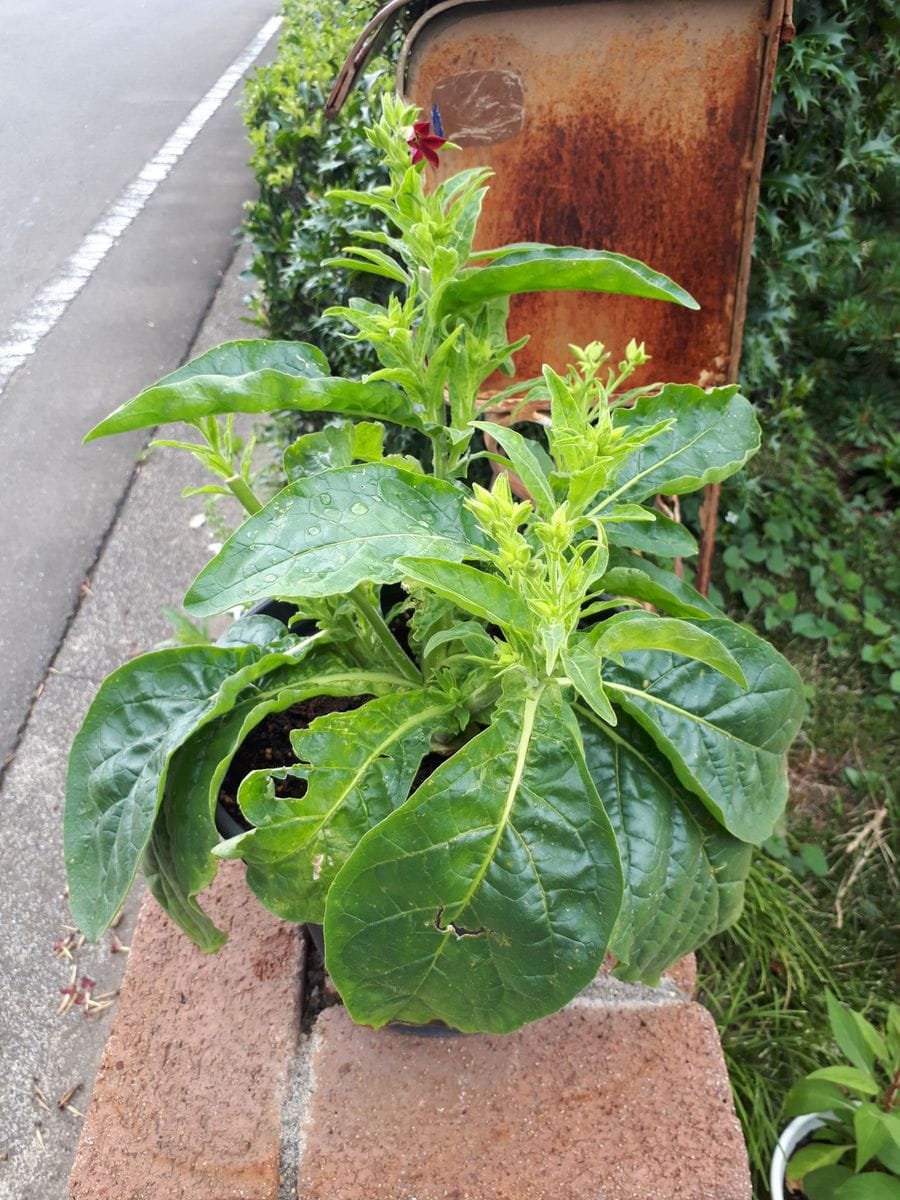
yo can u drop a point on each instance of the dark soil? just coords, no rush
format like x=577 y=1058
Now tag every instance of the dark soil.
x=269 y=745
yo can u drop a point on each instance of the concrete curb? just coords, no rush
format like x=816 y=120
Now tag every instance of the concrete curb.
x=150 y=557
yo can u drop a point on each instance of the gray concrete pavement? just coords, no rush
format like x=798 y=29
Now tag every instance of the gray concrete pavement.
x=138 y=314
x=151 y=555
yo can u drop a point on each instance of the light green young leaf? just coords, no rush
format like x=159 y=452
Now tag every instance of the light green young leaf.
x=725 y=744
x=815 y=1096
x=359 y=766
x=488 y=899
x=872 y=1185
x=812 y=1157
x=582 y=666
x=472 y=590
x=643 y=631
x=326 y=533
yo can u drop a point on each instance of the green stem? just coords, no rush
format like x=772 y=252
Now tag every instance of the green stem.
x=386 y=639
x=242 y=491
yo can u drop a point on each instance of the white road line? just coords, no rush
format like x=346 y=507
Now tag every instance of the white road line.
x=55 y=297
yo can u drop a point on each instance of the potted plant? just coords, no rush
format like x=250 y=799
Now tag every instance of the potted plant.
x=542 y=769
x=843 y=1142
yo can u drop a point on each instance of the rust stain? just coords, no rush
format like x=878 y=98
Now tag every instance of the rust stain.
x=636 y=127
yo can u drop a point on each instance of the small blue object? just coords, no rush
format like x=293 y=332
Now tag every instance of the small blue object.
x=436 y=121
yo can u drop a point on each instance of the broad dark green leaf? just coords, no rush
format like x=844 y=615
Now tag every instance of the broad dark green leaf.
x=358 y=767
x=638 y=585
x=539 y=268
x=254 y=377
x=644 y=631
x=488 y=899
x=664 y=537
x=474 y=591
x=684 y=877
x=120 y=757
x=725 y=744
x=712 y=436
x=179 y=862
x=324 y=534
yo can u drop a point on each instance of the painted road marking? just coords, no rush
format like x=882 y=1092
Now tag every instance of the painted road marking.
x=56 y=296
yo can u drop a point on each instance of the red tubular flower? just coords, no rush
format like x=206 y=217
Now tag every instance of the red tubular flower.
x=424 y=143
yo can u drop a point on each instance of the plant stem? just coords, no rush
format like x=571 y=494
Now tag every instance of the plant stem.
x=377 y=624
x=242 y=491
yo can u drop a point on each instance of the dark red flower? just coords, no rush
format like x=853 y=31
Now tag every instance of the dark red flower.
x=424 y=143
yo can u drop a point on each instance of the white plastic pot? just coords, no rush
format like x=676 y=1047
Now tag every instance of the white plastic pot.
x=793 y=1135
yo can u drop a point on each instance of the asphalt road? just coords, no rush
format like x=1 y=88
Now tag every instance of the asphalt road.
x=90 y=90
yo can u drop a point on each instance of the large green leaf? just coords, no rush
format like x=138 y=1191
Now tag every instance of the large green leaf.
x=662 y=537
x=120 y=757
x=725 y=744
x=358 y=767
x=539 y=268
x=684 y=877
x=712 y=436
x=324 y=534
x=179 y=862
x=255 y=377
x=489 y=898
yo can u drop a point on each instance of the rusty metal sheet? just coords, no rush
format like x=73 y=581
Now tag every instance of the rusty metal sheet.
x=629 y=125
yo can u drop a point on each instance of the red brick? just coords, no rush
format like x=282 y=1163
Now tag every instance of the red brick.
x=606 y=1100
x=187 y=1102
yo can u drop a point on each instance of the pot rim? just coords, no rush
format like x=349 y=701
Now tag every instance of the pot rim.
x=791 y=1137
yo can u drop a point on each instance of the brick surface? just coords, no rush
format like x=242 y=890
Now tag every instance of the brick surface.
x=187 y=1103
x=610 y=1099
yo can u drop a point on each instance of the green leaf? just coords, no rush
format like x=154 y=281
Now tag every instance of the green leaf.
x=320 y=451
x=675 y=586
x=525 y=463
x=540 y=268
x=725 y=744
x=637 y=584
x=711 y=437
x=179 y=861
x=488 y=899
x=848 y=1077
x=667 y=538
x=474 y=591
x=358 y=767
x=326 y=533
x=582 y=666
x=120 y=758
x=812 y=1157
x=859 y=1040
x=873 y=1185
x=644 y=631
x=823 y=1184
x=871 y=1133
x=684 y=877
x=815 y=1096
x=256 y=377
